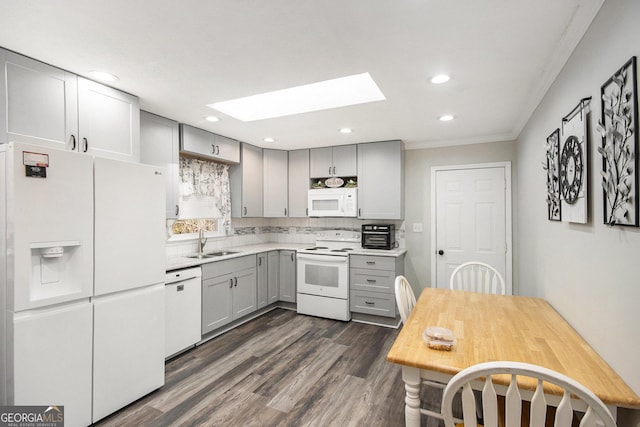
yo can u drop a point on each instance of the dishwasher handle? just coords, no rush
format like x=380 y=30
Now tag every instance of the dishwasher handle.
x=182 y=275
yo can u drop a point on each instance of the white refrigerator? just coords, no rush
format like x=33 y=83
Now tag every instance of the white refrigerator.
x=81 y=274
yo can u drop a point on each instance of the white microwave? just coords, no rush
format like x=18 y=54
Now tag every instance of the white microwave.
x=333 y=202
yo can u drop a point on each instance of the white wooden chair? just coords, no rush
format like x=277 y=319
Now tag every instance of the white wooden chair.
x=594 y=409
x=406 y=300
x=477 y=276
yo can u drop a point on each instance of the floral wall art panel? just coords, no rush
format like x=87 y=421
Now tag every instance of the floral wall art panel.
x=572 y=164
x=619 y=130
x=553 y=180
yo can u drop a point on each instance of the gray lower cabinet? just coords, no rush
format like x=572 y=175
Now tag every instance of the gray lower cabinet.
x=229 y=291
x=273 y=281
x=371 y=284
x=263 y=278
x=288 y=276
x=268 y=278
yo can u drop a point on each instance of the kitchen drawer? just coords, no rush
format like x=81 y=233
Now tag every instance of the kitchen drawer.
x=366 y=279
x=219 y=268
x=374 y=262
x=375 y=303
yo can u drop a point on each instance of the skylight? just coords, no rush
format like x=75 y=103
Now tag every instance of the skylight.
x=334 y=93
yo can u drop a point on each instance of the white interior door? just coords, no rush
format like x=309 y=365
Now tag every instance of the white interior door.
x=472 y=219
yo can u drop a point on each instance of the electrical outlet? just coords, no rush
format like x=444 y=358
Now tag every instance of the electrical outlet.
x=417 y=227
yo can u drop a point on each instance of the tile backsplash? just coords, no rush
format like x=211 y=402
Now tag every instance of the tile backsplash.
x=249 y=231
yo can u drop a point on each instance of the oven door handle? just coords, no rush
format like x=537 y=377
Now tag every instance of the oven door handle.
x=323 y=258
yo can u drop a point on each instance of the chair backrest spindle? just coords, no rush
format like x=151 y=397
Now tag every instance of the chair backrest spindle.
x=477 y=277
x=596 y=411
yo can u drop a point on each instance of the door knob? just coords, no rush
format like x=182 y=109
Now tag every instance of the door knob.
x=440 y=252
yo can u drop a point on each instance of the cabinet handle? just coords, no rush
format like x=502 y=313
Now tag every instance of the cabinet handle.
x=334 y=170
x=245 y=210
x=359 y=212
x=86 y=144
x=231 y=283
x=179 y=288
x=217 y=149
x=291 y=256
x=285 y=211
x=235 y=280
x=73 y=142
x=372 y=281
x=259 y=261
x=370 y=303
x=306 y=212
x=177 y=210
x=213 y=149
x=371 y=263
x=329 y=170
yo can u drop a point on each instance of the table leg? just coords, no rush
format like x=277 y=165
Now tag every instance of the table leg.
x=411 y=378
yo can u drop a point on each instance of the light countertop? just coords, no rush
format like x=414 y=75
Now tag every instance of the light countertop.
x=176 y=262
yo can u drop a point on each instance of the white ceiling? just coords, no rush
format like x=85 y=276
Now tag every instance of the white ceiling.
x=178 y=56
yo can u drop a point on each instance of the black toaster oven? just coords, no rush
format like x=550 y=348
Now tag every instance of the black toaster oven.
x=378 y=236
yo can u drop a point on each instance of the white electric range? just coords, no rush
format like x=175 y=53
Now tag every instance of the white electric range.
x=323 y=275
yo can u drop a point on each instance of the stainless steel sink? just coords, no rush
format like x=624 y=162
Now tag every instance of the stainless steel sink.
x=222 y=253
x=200 y=256
x=211 y=254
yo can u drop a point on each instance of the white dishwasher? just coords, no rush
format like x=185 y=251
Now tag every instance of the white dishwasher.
x=183 y=304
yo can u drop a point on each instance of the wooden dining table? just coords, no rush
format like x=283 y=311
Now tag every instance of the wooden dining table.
x=491 y=327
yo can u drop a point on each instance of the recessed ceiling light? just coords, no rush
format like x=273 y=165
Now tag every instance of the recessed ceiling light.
x=340 y=92
x=440 y=78
x=268 y=139
x=103 y=76
x=212 y=119
x=346 y=130
x=446 y=118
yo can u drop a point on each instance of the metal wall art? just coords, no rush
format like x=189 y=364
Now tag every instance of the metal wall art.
x=619 y=130
x=573 y=164
x=553 y=181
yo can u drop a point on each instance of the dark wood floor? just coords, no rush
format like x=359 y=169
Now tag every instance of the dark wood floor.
x=282 y=369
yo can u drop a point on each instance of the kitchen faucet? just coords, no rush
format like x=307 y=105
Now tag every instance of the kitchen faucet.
x=201 y=241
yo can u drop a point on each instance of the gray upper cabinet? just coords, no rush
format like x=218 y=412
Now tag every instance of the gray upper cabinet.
x=200 y=143
x=51 y=107
x=108 y=122
x=333 y=161
x=381 y=180
x=41 y=102
x=159 y=146
x=246 y=183
x=298 y=183
x=275 y=182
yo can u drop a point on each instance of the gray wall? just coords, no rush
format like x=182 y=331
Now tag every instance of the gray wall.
x=417 y=184
x=589 y=273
